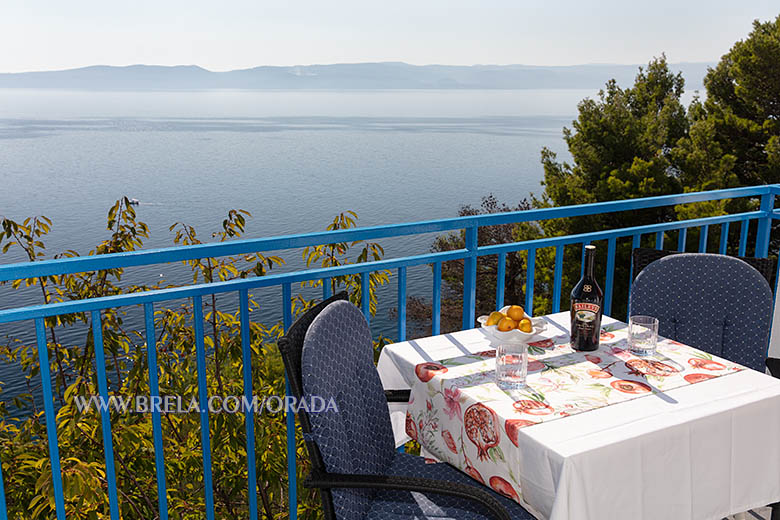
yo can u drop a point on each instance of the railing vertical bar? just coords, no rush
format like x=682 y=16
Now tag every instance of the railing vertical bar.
x=3 y=511
x=724 y=238
x=402 y=304
x=703 y=236
x=105 y=416
x=365 y=295
x=500 y=280
x=203 y=398
x=529 y=282
x=292 y=475
x=557 y=279
x=611 y=244
x=659 y=240
x=743 y=236
x=470 y=278
x=154 y=394
x=681 y=239
x=327 y=290
x=249 y=417
x=51 y=421
x=436 y=317
x=764 y=225
x=636 y=241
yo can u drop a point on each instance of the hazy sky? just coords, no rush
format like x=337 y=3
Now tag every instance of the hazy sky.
x=230 y=34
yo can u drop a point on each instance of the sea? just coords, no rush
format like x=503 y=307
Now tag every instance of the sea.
x=293 y=159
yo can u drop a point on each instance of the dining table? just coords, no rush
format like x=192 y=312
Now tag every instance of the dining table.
x=681 y=434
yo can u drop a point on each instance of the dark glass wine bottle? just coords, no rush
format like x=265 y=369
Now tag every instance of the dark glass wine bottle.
x=587 y=300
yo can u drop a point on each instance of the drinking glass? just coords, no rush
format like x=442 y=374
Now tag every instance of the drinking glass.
x=642 y=335
x=511 y=364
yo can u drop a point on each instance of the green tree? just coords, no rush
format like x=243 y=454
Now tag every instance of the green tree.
x=743 y=105
x=23 y=441
x=419 y=310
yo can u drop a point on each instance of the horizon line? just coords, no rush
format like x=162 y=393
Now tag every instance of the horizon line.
x=591 y=64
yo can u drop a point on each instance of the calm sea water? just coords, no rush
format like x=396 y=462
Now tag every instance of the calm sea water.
x=293 y=159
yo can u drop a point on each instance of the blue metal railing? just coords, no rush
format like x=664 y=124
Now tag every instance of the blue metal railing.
x=469 y=254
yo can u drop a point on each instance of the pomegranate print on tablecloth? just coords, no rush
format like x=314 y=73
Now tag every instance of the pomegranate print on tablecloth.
x=545 y=343
x=630 y=387
x=706 y=364
x=596 y=373
x=650 y=367
x=467 y=418
x=473 y=473
x=481 y=424
x=426 y=371
x=697 y=378
x=531 y=407
x=512 y=428
x=449 y=441
x=411 y=428
x=502 y=487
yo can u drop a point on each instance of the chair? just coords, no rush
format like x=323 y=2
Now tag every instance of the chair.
x=355 y=466
x=716 y=303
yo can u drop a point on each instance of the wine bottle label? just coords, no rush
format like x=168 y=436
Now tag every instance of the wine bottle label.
x=591 y=307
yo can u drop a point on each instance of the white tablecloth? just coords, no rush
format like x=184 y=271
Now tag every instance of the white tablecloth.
x=702 y=451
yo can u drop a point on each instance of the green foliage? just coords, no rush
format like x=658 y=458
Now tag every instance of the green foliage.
x=641 y=142
x=621 y=145
x=743 y=104
x=419 y=310
x=336 y=254
x=23 y=442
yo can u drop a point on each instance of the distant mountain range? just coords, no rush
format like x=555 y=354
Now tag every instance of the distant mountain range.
x=386 y=75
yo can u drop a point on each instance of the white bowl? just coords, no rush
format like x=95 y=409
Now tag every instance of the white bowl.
x=513 y=336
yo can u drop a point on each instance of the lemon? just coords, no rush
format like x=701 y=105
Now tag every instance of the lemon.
x=525 y=325
x=494 y=318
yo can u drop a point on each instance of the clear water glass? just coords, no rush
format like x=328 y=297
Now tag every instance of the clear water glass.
x=511 y=365
x=642 y=335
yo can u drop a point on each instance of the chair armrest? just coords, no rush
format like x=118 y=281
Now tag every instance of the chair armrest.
x=773 y=364
x=422 y=485
x=397 y=396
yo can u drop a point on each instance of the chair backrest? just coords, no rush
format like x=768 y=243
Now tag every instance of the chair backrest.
x=291 y=348
x=338 y=363
x=291 y=344
x=718 y=304
x=641 y=257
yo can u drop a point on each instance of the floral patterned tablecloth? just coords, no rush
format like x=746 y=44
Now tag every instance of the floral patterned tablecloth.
x=459 y=414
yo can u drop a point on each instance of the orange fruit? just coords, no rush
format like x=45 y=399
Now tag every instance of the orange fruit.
x=515 y=312
x=506 y=324
x=525 y=325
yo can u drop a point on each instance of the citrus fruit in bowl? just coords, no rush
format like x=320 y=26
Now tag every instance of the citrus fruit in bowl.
x=512 y=325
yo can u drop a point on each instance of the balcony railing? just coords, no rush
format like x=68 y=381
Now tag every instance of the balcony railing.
x=470 y=225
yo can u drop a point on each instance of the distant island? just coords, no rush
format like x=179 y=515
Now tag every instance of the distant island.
x=385 y=75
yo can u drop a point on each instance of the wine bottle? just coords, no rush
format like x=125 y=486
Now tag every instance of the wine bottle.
x=587 y=300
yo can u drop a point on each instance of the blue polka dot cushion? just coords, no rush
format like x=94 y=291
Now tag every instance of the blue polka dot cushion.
x=715 y=303
x=338 y=362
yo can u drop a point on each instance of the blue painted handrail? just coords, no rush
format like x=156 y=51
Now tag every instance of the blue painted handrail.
x=181 y=253
x=469 y=254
